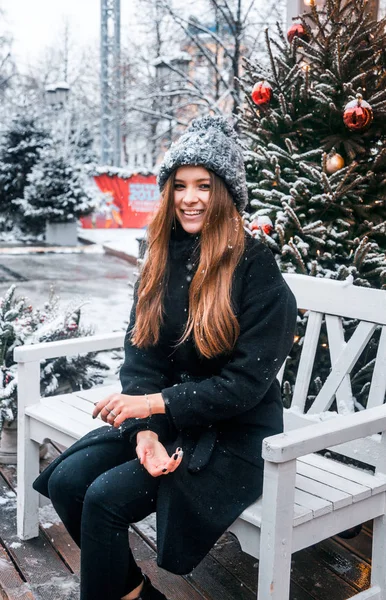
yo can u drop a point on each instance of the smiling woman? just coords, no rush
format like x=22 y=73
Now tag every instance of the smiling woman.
x=199 y=386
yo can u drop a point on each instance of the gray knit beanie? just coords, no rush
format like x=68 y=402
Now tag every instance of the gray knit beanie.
x=210 y=142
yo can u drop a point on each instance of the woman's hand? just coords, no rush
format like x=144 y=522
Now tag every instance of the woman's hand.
x=116 y=408
x=153 y=455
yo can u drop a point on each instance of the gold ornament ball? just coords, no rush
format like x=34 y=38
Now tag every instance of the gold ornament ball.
x=334 y=163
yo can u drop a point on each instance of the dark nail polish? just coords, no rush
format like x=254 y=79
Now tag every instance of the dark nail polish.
x=93 y=417
x=179 y=450
x=175 y=456
x=164 y=470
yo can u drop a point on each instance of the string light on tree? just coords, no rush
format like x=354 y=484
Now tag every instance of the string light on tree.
x=262 y=93
x=357 y=114
x=334 y=163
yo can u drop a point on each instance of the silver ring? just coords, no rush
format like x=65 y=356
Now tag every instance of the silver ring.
x=108 y=410
x=113 y=413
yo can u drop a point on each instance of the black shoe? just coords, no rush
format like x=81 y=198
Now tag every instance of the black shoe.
x=149 y=592
x=348 y=534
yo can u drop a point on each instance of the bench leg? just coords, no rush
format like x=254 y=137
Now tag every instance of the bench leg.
x=378 y=562
x=27 y=471
x=276 y=531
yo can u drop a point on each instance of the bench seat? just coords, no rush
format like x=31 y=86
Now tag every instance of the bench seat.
x=322 y=485
x=306 y=497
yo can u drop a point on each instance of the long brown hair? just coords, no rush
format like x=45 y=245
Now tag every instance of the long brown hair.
x=211 y=319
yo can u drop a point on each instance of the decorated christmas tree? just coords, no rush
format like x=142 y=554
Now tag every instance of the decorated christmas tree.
x=21 y=324
x=315 y=127
x=316 y=161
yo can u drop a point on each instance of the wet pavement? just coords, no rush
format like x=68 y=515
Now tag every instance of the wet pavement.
x=100 y=279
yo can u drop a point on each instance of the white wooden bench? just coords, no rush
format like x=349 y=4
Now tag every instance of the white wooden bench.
x=307 y=497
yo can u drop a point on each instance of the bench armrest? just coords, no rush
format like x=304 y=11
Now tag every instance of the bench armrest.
x=313 y=438
x=92 y=343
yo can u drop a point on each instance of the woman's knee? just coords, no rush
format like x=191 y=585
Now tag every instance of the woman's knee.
x=65 y=484
x=100 y=498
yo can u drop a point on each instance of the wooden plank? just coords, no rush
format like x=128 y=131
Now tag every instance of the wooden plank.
x=74 y=401
x=338 y=298
x=52 y=418
x=317 y=579
x=342 y=562
x=336 y=344
x=378 y=381
x=343 y=365
x=69 y=414
x=377 y=483
x=337 y=497
x=92 y=343
x=228 y=553
x=98 y=393
x=57 y=535
x=12 y=587
x=252 y=514
x=306 y=363
x=277 y=530
x=28 y=392
x=286 y=446
x=51 y=527
x=173 y=586
x=358 y=491
x=40 y=564
x=319 y=506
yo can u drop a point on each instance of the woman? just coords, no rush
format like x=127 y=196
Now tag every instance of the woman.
x=211 y=324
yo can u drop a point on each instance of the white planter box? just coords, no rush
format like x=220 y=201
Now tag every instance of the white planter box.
x=62 y=234
x=8 y=443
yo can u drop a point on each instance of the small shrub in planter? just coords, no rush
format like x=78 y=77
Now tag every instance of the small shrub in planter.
x=58 y=191
x=21 y=324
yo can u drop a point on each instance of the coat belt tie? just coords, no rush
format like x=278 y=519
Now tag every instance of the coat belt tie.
x=203 y=450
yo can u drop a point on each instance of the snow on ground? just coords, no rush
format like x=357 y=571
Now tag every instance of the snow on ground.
x=48 y=516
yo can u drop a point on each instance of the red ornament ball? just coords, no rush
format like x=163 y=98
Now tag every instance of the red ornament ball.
x=297 y=30
x=262 y=93
x=264 y=223
x=357 y=114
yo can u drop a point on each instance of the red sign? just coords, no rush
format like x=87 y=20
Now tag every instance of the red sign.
x=127 y=203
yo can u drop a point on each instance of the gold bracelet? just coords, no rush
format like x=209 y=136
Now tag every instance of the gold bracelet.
x=148 y=404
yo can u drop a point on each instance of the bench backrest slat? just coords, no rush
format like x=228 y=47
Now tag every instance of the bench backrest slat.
x=306 y=363
x=378 y=382
x=335 y=302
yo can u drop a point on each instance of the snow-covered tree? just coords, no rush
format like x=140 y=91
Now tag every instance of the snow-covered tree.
x=20 y=149
x=22 y=324
x=56 y=191
x=7 y=65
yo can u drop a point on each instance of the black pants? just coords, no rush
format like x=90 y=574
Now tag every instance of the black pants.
x=98 y=492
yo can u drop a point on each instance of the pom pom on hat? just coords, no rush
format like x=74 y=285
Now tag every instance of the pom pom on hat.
x=213 y=143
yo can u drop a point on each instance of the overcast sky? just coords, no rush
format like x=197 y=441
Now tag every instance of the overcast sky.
x=35 y=23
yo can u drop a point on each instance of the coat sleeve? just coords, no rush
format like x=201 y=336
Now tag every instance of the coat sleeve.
x=267 y=319
x=144 y=371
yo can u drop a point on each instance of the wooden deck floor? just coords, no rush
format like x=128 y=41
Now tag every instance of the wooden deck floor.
x=47 y=568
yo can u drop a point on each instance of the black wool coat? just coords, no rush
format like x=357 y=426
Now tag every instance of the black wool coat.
x=217 y=410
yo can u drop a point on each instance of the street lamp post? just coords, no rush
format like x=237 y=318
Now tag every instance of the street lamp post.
x=57 y=93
